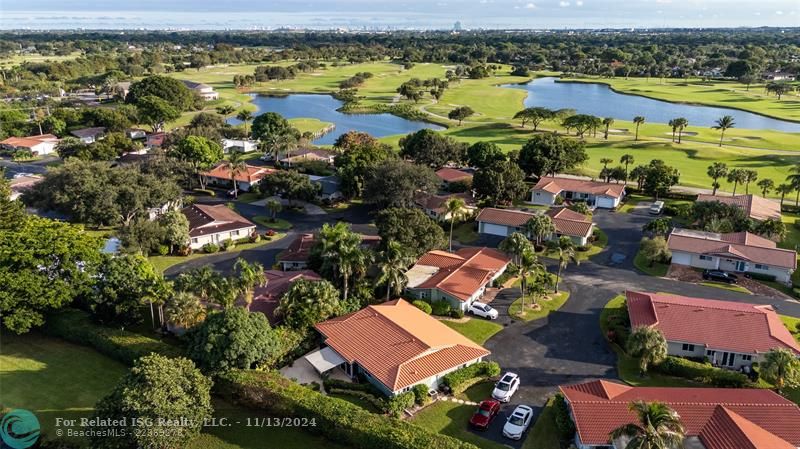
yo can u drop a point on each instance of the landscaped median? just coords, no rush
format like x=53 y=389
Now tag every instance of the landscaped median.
x=278 y=224
x=540 y=308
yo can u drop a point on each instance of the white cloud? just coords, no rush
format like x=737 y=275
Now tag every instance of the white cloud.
x=780 y=13
x=563 y=4
x=530 y=6
x=579 y=3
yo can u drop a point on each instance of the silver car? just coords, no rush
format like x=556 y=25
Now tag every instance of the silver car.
x=518 y=422
x=506 y=387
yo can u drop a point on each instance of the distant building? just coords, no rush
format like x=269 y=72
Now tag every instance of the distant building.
x=330 y=187
x=22 y=182
x=778 y=76
x=595 y=194
x=250 y=176
x=308 y=154
x=40 y=144
x=205 y=91
x=434 y=206
x=755 y=207
x=89 y=135
x=457 y=26
x=451 y=175
x=240 y=145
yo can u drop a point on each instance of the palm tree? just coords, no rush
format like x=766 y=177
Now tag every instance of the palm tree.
x=794 y=181
x=766 y=185
x=341 y=253
x=626 y=159
x=605 y=161
x=748 y=177
x=674 y=125
x=736 y=176
x=784 y=189
x=226 y=110
x=515 y=244
x=649 y=345
x=722 y=124
x=184 y=310
x=278 y=143
x=393 y=262
x=528 y=264
x=638 y=120
x=224 y=292
x=608 y=121
x=249 y=276
x=659 y=427
x=781 y=368
x=539 y=227
x=681 y=124
x=454 y=207
x=245 y=116
x=198 y=281
x=564 y=249
x=236 y=165
x=273 y=207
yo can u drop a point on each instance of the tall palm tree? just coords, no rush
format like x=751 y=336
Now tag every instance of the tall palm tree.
x=236 y=165
x=766 y=185
x=249 y=276
x=681 y=124
x=341 y=254
x=715 y=171
x=184 y=310
x=649 y=345
x=659 y=427
x=626 y=159
x=515 y=244
x=605 y=161
x=748 y=177
x=736 y=176
x=723 y=124
x=273 y=207
x=674 y=125
x=245 y=116
x=224 y=292
x=564 y=249
x=393 y=262
x=607 y=122
x=784 y=189
x=278 y=143
x=638 y=120
x=794 y=181
x=226 y=110
x=454 y=207
x=198 y=281
x=781 y=368
x=528 y=265
x=539 y=227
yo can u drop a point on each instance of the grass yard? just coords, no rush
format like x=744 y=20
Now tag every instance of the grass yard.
x=601 y=240
x=54 y=378
x=543 y=435
x=248 y=197
x=162 y=263
x=657 y=269
x=793 y=324
x=464 y=233
x=546 y=306
x=477 y=392
x=724 y=286
x=279 y=223
x=311 y=125
x=451 y=418
x=476 y=329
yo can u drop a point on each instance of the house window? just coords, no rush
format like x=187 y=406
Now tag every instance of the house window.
x=762 y=267
x=710 y=353
x=702 y=257
x=747 y=358
x=194 y=240
x=688 y=347
x=236 y=232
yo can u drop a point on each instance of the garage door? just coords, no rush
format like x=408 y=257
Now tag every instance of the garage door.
x=681 y=258
x=494 y=229
x=605 y=202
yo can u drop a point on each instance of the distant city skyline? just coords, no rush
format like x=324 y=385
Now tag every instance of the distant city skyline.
x=377 y=14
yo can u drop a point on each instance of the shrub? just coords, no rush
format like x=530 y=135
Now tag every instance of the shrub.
x=457 y=313
x=701 y=372
x=564 y=425
x=163 y=250
x=583 y=248
x=762 y=277
x=379 y=403
x=269 y=233
x=204 y=192
x=254 y=238
x=399 y=402
x=227 y=244
x=210 y=248
x=421 y=394
x=440 y=308
x=461 y=379
x=422 y=305
x=365 y=387
x=338 y=420
x=77 y=327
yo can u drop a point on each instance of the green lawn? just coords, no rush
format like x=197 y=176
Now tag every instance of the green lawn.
x=451 y=418
x=793 y=324
x=464 y=233
x=162 y=263
x=355 y=400
x=279 y=224
x=546 y=306
x=54 y=378
x=543 y=435
x=478 y=392
x=657 y=269
x=311 y=125
x=724 y=286
x=601 y=240
x=476 y=329
x=248 y=197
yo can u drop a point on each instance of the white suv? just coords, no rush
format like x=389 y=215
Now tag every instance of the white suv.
x=483 y=310
x=518 y=422
x=506 y=387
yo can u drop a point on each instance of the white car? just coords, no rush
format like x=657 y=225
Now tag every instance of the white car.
x=483 y=310
x=656 y=208
x=506 y=387
x=518 y=422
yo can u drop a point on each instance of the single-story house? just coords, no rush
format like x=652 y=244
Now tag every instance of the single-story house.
x=40 y=144
x=755 y=207
x=434 y=205
x=250 y=176
x=504 y=222
x=155 y=140
x=741 y=252
x=267 y=297
x=595 y=194
x=713 y=418
x=307 y=155
x=395 y=346
x=136 y=134
x=89 y=135
x=330 y=187
x=240 y=145
x=22 y=182
x=215 y=224
x=731 y=334
x=450 y=175
x=295 y=256
x=459 y=278
x=205 y=91
x=779 y=76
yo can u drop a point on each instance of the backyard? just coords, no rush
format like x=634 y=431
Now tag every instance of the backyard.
x=476 y=329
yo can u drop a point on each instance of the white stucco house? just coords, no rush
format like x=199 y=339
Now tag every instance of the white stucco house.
x=595 y=194
x=40 y=144
x=205 y=91
x=215 y=224
x=504 y=222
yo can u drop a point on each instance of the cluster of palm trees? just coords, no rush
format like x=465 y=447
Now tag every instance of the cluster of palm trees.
x=678 y=125
x=741 y=176
x=619 y=173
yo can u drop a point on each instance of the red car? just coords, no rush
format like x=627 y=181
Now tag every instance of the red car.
x=486 y=412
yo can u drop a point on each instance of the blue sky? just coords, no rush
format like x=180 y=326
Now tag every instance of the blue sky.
x=237 y=14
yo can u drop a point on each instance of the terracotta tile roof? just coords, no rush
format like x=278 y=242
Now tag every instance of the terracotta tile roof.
x=462 y=273
x=556 y=185
x=436 y=202
x=601 y=406
x=725 y=325
x=298 y=250
x=205 y=219
x=250 y=175
x=566 y=221
x=29 y=141
x=398 y=344
x=755 y=207
x=267 y=297
x=741 y=245
x=451 y=174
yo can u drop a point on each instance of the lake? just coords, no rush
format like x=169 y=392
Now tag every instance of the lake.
x=600 y=100
x=324 y=107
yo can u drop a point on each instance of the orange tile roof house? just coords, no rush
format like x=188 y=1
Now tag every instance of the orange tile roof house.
x=713 y=418
x=448 y=175
x=434 y=205
x=250 y=176
x=567 y=222
x=739 y=251
x=395 y=346
x=459 y=278
x=40 y=144
x=267 y=297
x=215 y=224
x=595 y=194
x=307 y=155
x=296 y=255
x=755 y=207
x=730 y=334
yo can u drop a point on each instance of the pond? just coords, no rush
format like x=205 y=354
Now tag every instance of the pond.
x=324 y=107
x=600 y=100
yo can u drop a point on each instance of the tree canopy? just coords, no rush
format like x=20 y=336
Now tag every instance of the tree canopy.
x=170 y=90
x=427 y=147
x=501 y=183
x=548 y=154
x=414 y=230
x=395 y=183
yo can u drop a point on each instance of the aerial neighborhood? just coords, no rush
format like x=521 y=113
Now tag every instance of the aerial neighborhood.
x=450 y=239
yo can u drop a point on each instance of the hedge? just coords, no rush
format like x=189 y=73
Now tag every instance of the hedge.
x=441 y=308
x=461 y=379
x=702 y=372
x=422 y=305
x=421 y=394
x=295 y=343
x=365 y=387
x=564 y=425
x=77 y=326
x=399 y=402
x=762 y=277
x=335 y=419
x=378 y=403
